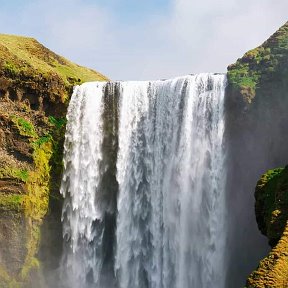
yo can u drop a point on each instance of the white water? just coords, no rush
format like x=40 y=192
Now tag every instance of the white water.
x=170 y=228
x=82 y=156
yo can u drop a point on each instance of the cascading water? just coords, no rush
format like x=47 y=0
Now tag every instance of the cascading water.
x=169 y=221
x=80 y=184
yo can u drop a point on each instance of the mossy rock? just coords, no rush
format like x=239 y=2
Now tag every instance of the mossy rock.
x=272 y=270
x=11 y=202
x=271 y=205
x=29 y=71
x=264 y=63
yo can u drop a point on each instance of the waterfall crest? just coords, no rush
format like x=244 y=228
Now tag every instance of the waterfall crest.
x=168 y=220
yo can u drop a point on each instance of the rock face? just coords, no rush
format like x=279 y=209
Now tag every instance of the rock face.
x=271 y=208
x=266 y=63
x=35 y=85
x=257 y=140
x=30 y=71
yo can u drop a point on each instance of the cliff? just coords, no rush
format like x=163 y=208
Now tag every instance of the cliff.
x=271 y=208
x=257 y=123
x=35 y=85
x=267 y=63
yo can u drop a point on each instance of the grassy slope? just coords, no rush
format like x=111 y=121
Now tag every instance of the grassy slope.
x=22 y=54
x=263 y=63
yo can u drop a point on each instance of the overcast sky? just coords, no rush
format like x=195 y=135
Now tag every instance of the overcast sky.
x=146 y=39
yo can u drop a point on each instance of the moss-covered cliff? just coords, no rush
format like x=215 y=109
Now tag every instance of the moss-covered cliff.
x=271 y=207
x=30 y=71
x=266 y=63
x=257 y=125
x=35 y=85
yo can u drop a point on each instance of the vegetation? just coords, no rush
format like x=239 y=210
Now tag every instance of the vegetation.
x=26 y=56
x=36 y=200
x=272 y=214
x=6 y=280
x=14 y=173
x=25 y=127
x=259 y=64
x=28 y=69
x=271 y=196
x=11 y=202
x=31 y=262
x=272 y=270
x=57 y=122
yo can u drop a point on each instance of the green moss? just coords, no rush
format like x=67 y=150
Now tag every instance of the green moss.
x=41 y=140
x=7 y=281
x=11 y=69
x=14 y=173
x=58 y=123
x=36 y=200
x=37 y=180
x=31 y=262
x=272 y=270
x=22 y=174
x=25 y=127
x=272 y=214
x=247 y=74
x=272 y=202
x=11 y=202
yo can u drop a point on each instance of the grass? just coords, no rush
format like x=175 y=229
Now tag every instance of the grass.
x=26 y=55
x=259 y=64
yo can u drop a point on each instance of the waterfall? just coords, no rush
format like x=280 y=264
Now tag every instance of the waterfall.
x=80 y=183
x=168 y=221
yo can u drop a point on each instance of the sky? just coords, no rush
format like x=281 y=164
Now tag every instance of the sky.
x=146 y=39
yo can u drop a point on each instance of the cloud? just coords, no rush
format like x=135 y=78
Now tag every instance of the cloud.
x=213 y=34
x=186 y=37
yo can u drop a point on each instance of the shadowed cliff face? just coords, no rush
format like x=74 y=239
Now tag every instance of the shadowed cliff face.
x=271 y=197
x=257 y=140
x=35 y=85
